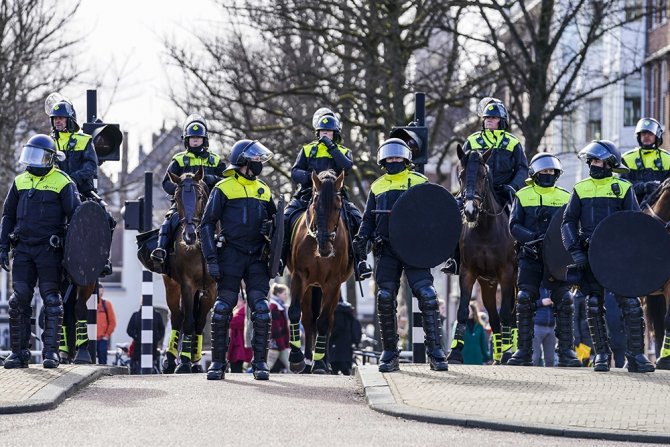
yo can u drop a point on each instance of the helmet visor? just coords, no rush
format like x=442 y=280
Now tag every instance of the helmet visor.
x=323 y=111
x=542 y=163
x=194 y=117
x=394 y=149
x=481 y=107
x=648 y=125
x=594 y=150
x=36 y=157
x=256 y=152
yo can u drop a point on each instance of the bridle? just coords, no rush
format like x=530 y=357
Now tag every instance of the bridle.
x=314 y=226
x=469 y=192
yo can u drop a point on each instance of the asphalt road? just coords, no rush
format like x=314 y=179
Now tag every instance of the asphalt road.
x=287 y=410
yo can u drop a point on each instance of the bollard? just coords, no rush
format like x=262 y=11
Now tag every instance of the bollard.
x=147 y=337
x=418 y=347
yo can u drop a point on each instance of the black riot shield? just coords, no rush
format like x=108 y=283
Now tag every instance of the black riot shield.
x=639 y=266
x=556 y=257
x=277 y=240
x=87 y=243
x=425 y=225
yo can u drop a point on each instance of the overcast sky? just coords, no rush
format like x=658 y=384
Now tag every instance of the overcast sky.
x=127 y=36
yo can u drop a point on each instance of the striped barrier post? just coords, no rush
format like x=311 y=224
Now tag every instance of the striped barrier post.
x=418 y=347
x=92 y=322
x=147 y=314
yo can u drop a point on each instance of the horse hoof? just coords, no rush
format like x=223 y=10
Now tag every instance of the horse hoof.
x=183 y=368
x=319 y=367
x=506 y=356
x=297 y=368
x=455 y=357
x=82 y=357
x=197 y=368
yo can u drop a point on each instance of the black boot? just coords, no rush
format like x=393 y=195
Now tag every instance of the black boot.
x=456 y=354
x=567 y=357
x=597 y=327
x=634 y=328
x=220 y=341
x=82 y=357
x=386 y=310
x=159 y=254
x=363 y=269
x=525 y=308
x=53 y=311
x=432 y=327
x=452 y=265
x=259 y=345
x=20 y=356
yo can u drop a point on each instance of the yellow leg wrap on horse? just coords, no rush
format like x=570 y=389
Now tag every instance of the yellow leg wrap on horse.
x=63 y=339
x=457 y=344
x=81 y=331
x=197 y=355
x=515 y=339
x=665 y=352
x=173 y=344
x=186 y=344
x=294 y=336
x=497 y=347
x=320 y=348
x=506 y=338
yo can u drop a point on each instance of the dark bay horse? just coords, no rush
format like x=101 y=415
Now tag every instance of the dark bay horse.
x=487 y=255
x=319 y=258
x=658 y=205
x=189 y=289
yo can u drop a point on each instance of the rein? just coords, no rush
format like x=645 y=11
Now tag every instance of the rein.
x=470 y=190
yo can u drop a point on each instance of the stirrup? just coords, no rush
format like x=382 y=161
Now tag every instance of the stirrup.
x=159 y=255
x=450 y=267
x=364 y=270
x=107 y=269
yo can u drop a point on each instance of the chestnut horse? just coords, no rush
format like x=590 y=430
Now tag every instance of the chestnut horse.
x=658 y=205
x=190 y=291
x=319 y=258
x=487 y=256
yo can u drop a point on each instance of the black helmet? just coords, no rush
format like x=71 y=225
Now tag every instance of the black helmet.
x=38 y=152
x=195 y=126
x=324 y=111
x=543 y=161
x=393 y=147
x=329 y=122
x=498 y=110
x=245 y=151
x=649 y=125
x=606 y=151
x=65 y=109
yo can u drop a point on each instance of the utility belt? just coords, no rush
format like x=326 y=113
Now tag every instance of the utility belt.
x=54 y=241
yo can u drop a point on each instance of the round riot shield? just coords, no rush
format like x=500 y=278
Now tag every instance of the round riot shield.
x=425 y=225
x=629 y=253
x=556 y=257
x=87 y=243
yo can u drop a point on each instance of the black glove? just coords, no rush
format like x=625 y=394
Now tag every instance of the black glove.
x=328 y=143
x=360 y=244
x=4 y=260
x=266 y=228
x=581 y=260
x=510 y=191
x=651 y=186
x=213 y=270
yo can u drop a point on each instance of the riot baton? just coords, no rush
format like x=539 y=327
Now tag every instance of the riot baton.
x=345 y=216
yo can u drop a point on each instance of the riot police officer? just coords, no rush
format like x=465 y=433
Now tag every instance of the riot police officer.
x=395 y=157
x=242 y=204
x=591 y=201
x=532 y=210
x=320 y=155
x=649 y=164
x=507 y=164
x=38 y=205
x=197 y=155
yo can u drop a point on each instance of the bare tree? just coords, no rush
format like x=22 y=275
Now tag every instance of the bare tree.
x=35 y=59
x=545 y=54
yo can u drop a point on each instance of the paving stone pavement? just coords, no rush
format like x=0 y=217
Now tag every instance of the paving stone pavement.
x=36 y=388
x=561 y=401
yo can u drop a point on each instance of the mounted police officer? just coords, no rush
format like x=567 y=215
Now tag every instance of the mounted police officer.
x=395 y=157
x=243 y=207
x=37 y=208
x=196 y=155
x=649 y=164
x=532 y=210
x=320 y=155
x=592 y=200
x=507 y=164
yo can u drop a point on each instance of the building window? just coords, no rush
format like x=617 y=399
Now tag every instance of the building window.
x=595 y=116
x=632 y=101
x=661 y=13
x=633 y=10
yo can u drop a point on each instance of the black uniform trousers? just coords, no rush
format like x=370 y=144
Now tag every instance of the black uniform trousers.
x=236 y=267
x=389 y=268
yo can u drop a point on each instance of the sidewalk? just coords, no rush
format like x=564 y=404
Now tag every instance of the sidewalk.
x=38 y=389
x=573 y=402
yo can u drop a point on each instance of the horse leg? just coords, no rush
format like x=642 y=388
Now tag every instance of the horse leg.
x=83 y=356
x=506 y=313
x=66 y=350
x=172 y=295
x=465 y=281
x=308 y=323
x=663 y=361
x=205 y=303
x=186 y=354
x=489 y=299
x=655 y=313
x=296 y=357
x=324 y=322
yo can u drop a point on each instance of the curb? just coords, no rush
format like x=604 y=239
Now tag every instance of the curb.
x=380 y=398
x=56 y=391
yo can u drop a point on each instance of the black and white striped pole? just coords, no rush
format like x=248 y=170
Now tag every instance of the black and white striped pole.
x=92 y=322
x=147 y=313
x=418 y=347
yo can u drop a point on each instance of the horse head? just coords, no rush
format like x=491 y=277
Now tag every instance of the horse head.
x=191 y=197
x=659 y=201
x=325 y=210
x=473 y=177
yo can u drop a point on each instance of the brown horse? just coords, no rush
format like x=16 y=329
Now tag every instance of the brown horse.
x=319 y=258
x=487 y=255
x=658 y=205
x=189 y=289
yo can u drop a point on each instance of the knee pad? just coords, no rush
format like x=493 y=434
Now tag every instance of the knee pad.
x=427 y=298
x=221 y=311
x=565 y=300
x=524 y=301
x=16 y=303
x=631 y=307
x=386 y=300
x=53 y=305
x=261 y=311
x=594 y=304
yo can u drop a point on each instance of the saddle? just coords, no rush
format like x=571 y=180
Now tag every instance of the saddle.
x=146 y=243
